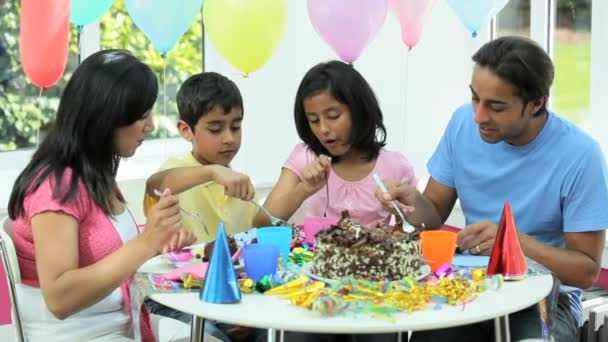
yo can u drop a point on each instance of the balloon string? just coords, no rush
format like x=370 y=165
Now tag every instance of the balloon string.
x=165 y=106
x=41 y=122
x=406 y=82
x=79 y=28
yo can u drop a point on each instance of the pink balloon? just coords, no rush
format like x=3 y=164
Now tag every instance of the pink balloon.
x=348 y=26
x=44 y=39
x=411 y=14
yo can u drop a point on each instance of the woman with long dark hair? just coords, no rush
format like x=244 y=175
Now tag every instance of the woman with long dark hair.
x=76 y=241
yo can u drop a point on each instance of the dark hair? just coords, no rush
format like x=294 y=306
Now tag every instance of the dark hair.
x=110 y=89
x=200 y=93
x=521 y=62
x=348 y=87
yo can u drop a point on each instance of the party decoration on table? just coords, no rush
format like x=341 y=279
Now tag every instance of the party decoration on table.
x=507 y=256
x=83 y=12
x=221 y=285
x=190 y=282
x=412 y=15
x=347 y=26
x=470 y=260
x=474 y=14
x=197 y=269
x=163 y=22
x=300 y=256
x=182 y=255
x=245 y=32
x=380 y=299
x=246 y=285
x=44 y=40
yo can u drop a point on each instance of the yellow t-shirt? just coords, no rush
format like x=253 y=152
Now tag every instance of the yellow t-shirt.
x=209 y=201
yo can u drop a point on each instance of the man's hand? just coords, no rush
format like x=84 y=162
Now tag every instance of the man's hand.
x=404 y=196
x=478 y=238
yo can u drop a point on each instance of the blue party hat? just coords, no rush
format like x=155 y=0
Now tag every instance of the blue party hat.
x=221 y=284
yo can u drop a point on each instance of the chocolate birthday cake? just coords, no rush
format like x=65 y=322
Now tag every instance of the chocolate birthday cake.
x=373 y=253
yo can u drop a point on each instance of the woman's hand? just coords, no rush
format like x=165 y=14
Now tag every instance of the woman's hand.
x=314 y=176
x=181 y=239
x=235 y=184
x=164 y=222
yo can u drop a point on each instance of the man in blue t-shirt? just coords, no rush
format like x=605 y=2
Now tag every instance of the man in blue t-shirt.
x=507 y=145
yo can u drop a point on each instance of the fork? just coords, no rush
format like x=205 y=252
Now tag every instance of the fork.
x=275 y=221
x=408 y=228
x=196 y=216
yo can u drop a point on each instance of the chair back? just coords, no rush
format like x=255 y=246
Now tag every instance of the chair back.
x=11 y=266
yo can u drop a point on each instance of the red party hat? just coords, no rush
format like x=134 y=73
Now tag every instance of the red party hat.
x=507 y=257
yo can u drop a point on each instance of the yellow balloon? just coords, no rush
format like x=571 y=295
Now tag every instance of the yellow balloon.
x=245 y=32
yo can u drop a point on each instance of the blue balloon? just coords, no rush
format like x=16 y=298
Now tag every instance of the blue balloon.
x=84 y=12
x=163 y=21
x=474 y=14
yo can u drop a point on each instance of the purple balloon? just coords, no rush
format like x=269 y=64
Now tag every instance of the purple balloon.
x=348 y=26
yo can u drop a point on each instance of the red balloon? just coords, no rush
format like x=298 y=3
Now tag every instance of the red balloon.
x=44 y=39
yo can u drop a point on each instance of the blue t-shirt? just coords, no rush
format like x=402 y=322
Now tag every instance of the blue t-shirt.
x=556 y=184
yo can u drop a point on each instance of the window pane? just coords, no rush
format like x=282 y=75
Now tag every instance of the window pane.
x=119 y=32
x=514 y=19
x=22 y=109
x=572 y=58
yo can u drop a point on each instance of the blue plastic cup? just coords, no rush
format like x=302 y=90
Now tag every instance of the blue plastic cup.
x=260 y=260
x=279 y=236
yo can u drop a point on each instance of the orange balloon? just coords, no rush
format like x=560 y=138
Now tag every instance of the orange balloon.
x=44 y=39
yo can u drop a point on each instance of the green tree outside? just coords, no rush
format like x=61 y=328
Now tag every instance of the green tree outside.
x=23 y=110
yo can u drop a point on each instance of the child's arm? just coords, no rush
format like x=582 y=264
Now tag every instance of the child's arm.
x=290 y=191
x=180 y=179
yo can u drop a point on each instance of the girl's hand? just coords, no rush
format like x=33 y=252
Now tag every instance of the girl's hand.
x=404 y=195
x=183 y=238
x=164 y=221
x=235 y=184
x=314 y=176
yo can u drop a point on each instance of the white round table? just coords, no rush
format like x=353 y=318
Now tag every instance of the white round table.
x=265 y=311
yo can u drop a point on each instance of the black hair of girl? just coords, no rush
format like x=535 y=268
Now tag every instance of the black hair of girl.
x=347 y=86
x=109 y=89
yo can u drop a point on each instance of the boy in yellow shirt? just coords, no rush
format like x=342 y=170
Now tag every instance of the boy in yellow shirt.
x=210 y=116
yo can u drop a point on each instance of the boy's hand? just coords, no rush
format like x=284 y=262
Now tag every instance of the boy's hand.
x=235 y=184
x=164 y=221
x=314 y=176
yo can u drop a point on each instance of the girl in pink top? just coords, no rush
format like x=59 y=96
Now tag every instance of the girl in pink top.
x=76 y=242
x=340 y=123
